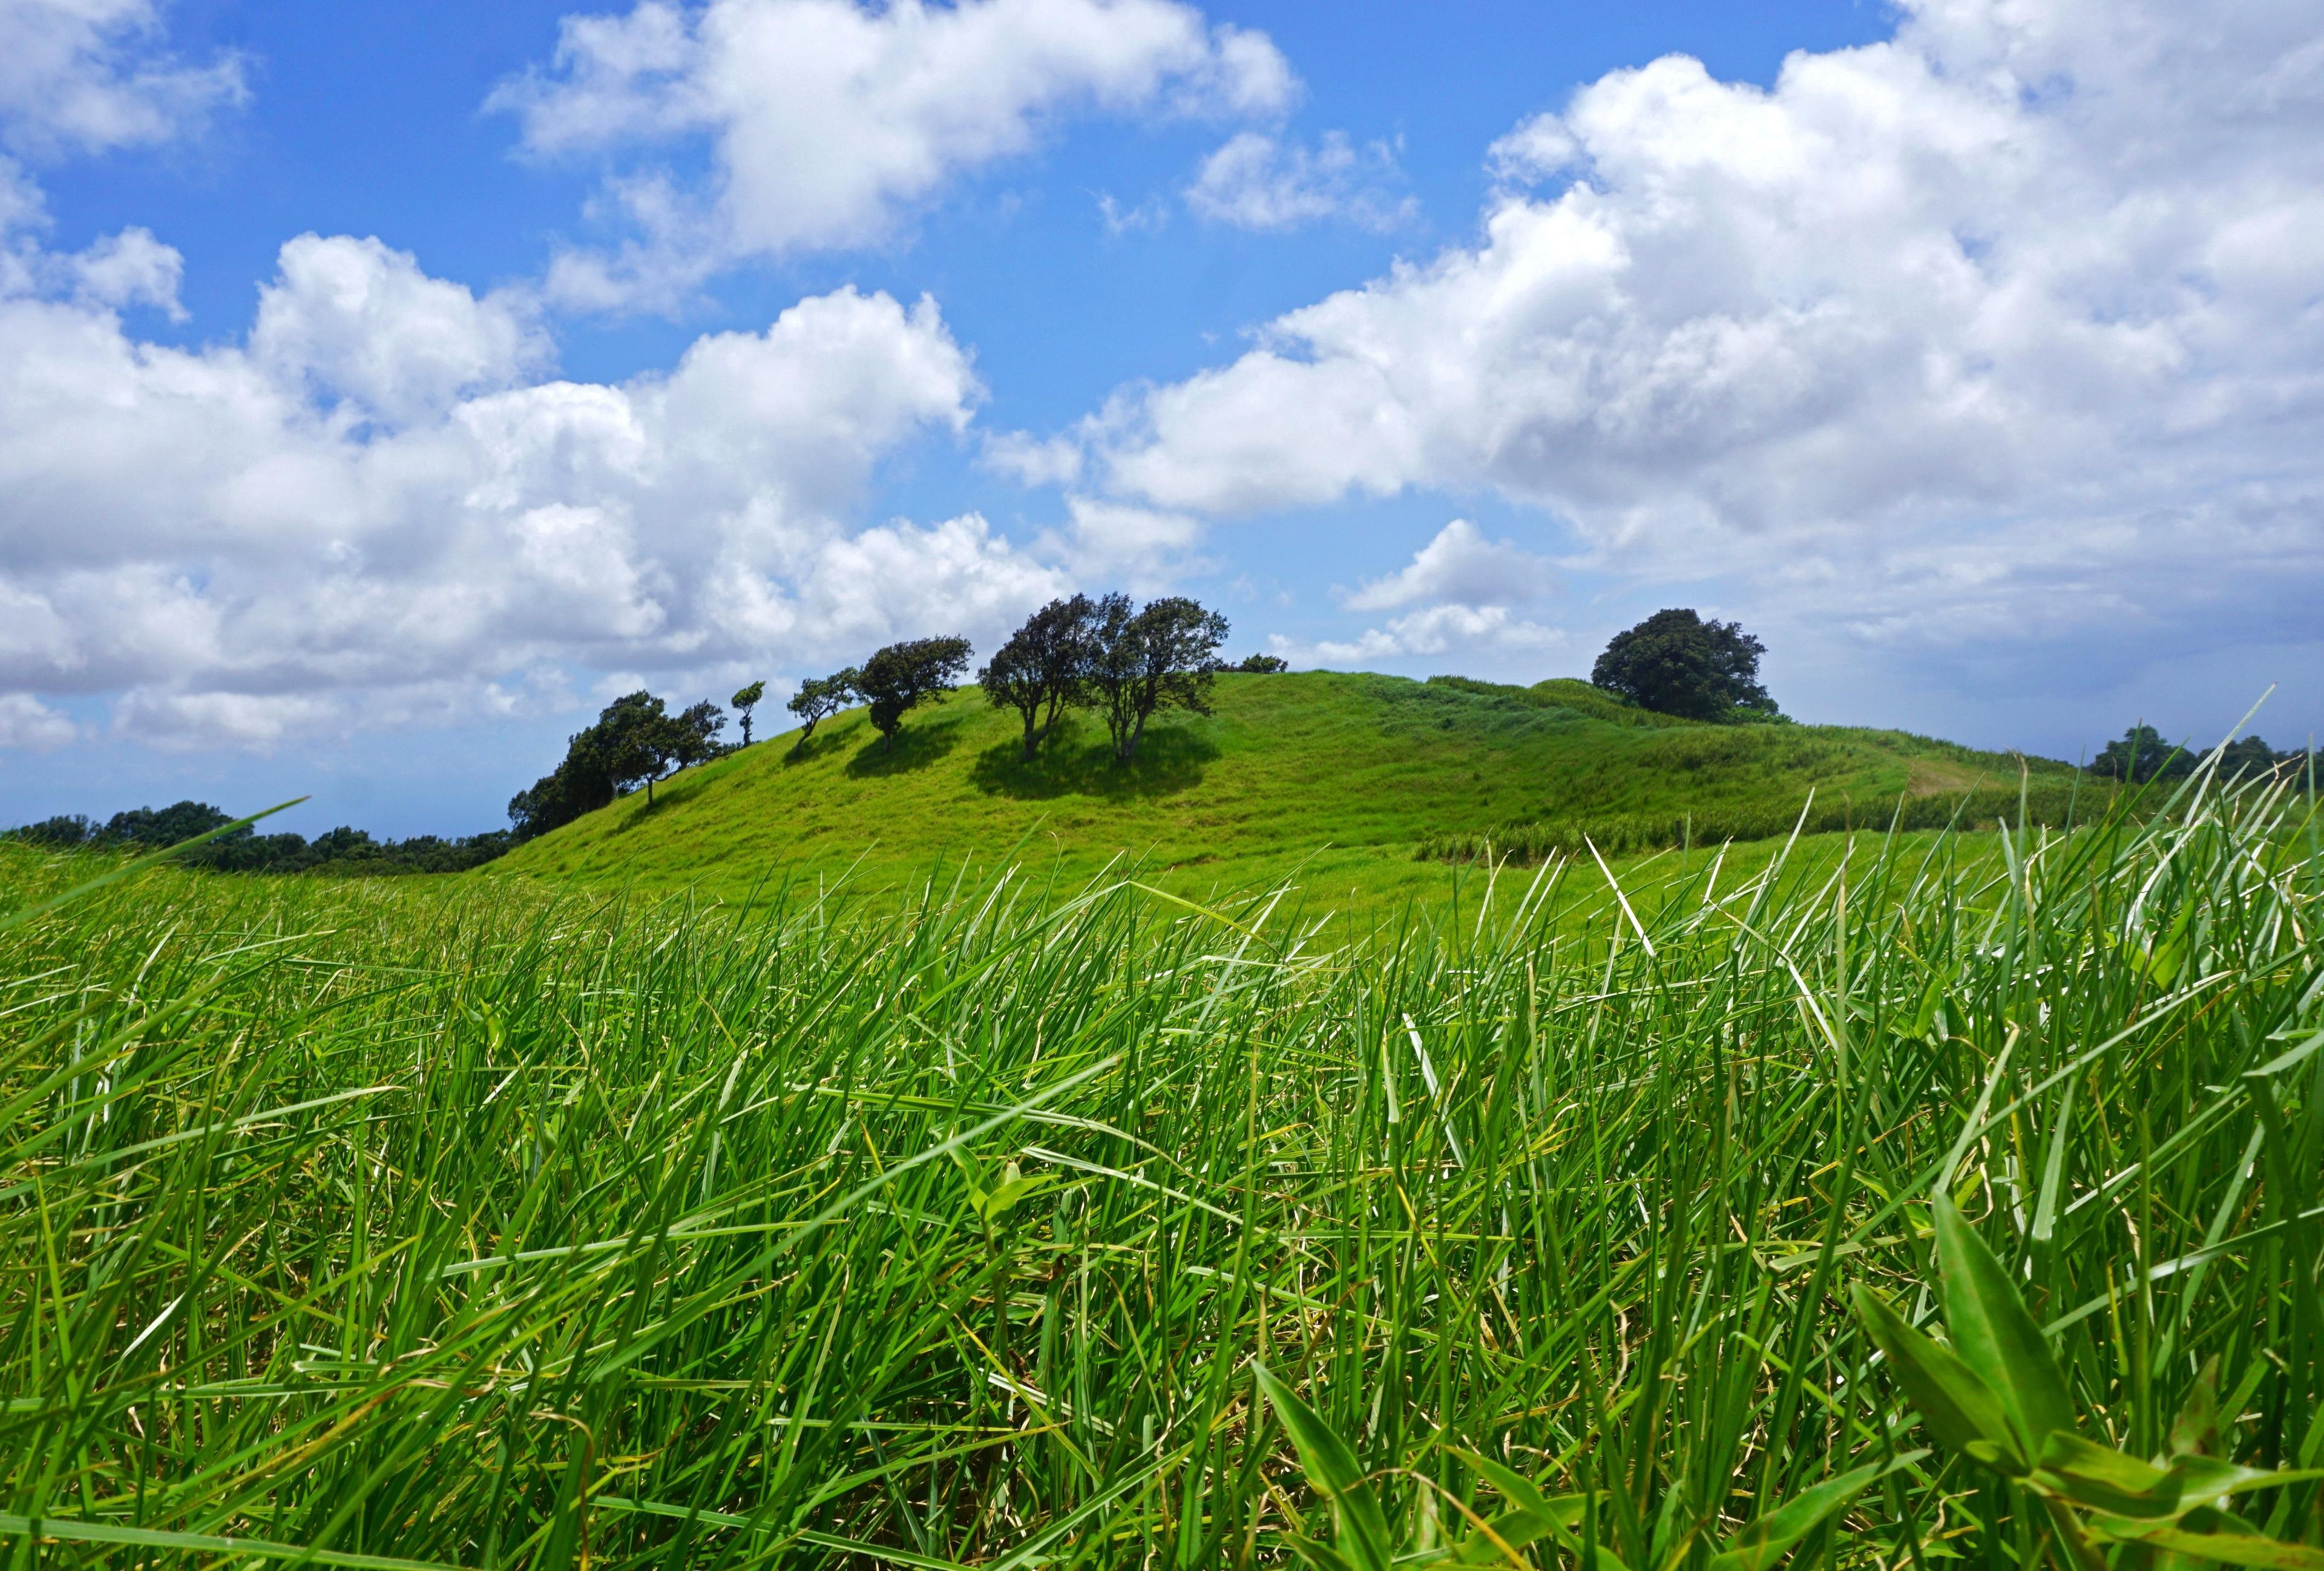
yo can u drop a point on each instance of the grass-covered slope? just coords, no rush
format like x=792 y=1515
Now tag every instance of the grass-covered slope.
x=1369 y=765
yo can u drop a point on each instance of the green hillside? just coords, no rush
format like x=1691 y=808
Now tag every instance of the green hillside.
x=1328 y=772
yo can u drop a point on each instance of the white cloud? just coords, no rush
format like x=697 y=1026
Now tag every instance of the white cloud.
x=1140 y=548
x=27 y=723
x=1433 y=630
x=829 y=122
x=372 y=515
x=1258 y=181
x=130 y=268
x=355 y=319
x=2020 y=302
x=1459 y=565
x=89 y=75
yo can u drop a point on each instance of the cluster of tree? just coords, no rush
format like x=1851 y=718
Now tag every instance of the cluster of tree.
x=341 y=850
x=1676 y=663
x=635 y=742
x=1128 y=663
x=895 y=681
x=2141 y=754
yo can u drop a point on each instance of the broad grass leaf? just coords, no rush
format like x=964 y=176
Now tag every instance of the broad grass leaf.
x=2240 y=1547
x=1333 y=1473
x=1988 y=1324
x=2101 y=1479
x=1767 y=1540
x=2196 y=1431
x=1531 y=1513
x=1961 y=1409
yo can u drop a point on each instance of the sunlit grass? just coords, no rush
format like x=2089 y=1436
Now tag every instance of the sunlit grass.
x=475 y=1225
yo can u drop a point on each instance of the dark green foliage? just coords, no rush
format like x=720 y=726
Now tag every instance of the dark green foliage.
x=744 y=700
x=1676 y=663
x=820 y=697
x=342 y=850
x=900 y=678
x=2141 y=754
x=1254 y=665
x=635 y=742
x=1149 y=660
x=1043 y=668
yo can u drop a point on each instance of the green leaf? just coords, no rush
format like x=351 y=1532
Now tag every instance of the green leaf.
x=2196 y=1431
x=1959 y=1409
x=2226 y=1547
x=1989 y=1325
x=1333 y=1473
x=72 y=1532
x=2101 y=1479
x=1765 y=1539
x=1013 y=1189
x=1323 y=1557
x=1556 y=1515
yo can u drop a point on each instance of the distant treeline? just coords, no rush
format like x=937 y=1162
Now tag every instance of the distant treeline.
x=343 y=850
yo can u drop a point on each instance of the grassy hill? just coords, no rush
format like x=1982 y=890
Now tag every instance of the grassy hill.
x=1333 y=773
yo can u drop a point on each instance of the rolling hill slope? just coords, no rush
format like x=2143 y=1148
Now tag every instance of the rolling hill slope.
x=1318 y=769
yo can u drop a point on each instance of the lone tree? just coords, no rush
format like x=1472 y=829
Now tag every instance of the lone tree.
x=1043 y=667
x=902 y=676
x=744 y=701
x=1146 y=660
x=818 y=698
x=1676 y=663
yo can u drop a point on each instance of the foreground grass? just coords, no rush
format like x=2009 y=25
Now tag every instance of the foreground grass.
x=478 y=1228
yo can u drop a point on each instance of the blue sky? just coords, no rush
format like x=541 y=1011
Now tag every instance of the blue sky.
x=392 y=385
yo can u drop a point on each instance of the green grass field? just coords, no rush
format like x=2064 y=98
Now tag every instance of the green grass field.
x=1332 y=779
x=491 y=1222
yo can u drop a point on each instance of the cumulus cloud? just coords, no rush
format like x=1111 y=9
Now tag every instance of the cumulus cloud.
x=2024 y=298
x=27 y=723
x=353 y=319
x=1259 y=181
x=375 y=513
x=1459 y=565
x=1432 y=630
x=91 y=75
x=829 y=121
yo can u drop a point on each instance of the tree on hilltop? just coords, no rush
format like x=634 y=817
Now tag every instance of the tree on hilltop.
x=745 y=701
x=635 y=741
x=1676 y=663
x=1143 y=661
x=818 y=698
x=1043 y=667
x=902 y=676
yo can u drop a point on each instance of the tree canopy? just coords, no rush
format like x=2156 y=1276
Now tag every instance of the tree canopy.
x=636 y=741
x=818 y=698
x=1676 y=663
x=902 y=676
x=744 y=700
x=1146 y=660
x=1043 y=666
